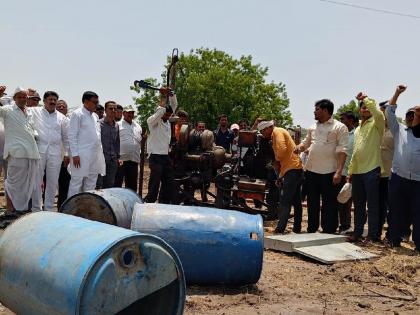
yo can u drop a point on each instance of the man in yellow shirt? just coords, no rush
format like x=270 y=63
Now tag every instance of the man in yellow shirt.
x=290 y=171
x=365 y=168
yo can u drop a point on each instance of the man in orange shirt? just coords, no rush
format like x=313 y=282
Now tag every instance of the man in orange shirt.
x=290 y=172
x=183 y=120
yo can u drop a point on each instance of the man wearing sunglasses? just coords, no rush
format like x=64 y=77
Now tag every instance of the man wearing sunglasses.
x=404 y=183
x=87 y=158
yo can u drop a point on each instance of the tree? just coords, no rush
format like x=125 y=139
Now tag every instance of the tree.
x=212 y=82
x=352 y=106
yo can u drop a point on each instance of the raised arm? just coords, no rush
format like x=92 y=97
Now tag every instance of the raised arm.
x=378 y=116
x=398 y=91
x=392 y=120
x=153 y=120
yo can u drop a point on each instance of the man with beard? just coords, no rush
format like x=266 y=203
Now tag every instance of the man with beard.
x=119 y=113
x=52 y=128
x=161 y=171
x=20 y=151
x=328 y=140
x=110 y=137
x=87 y=157
x=365 y=169
x=404 y=183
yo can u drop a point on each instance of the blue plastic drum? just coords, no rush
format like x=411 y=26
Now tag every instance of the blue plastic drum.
x=57 y=264
x=214 y=245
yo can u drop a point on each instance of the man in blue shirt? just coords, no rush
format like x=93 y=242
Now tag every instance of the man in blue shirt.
x=404 y=184
x=223 y=136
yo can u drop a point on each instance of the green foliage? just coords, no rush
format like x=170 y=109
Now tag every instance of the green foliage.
x=211 y=82
x=352 y=106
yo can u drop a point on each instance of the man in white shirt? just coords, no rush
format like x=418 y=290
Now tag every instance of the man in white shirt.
x=327 y=143
x=87 y=158
x=52 y=127
x=20 y=151
x=130 y=147
x=161 y=170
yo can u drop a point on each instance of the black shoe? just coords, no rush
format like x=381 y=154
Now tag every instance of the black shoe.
x=391 y=244
x=353 y=238
x=279 y=231
x=373 y=239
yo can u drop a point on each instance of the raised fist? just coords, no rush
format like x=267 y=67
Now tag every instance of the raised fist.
x=2 y=89
x=361 y=96
x=401 y=88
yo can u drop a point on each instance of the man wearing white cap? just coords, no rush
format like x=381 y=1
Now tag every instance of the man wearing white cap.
x=33 y=98
x=52 y=129
x=20 y=151
x=130 y=147
x=290 y=171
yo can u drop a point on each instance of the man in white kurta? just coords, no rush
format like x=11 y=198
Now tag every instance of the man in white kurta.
x=51 y=127
x=87 y=158
x=20 y=151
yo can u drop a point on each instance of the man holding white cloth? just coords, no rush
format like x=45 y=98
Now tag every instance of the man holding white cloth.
x=87 y=158
x=51 y=127
x=20 y=151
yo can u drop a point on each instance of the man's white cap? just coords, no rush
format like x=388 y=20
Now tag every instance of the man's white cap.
x=345 y=193
x=129 y=108
x=265 y=124
x=19 y=90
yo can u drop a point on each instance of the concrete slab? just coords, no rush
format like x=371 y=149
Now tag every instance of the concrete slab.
x=332 y=253
x=289 y=242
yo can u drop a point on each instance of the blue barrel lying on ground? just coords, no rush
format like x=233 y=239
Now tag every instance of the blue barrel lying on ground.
x=112 y=205
x=56 y=264
x=215 y=246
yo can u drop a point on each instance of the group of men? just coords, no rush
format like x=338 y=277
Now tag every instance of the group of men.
x=96 y=147
x=47 y=150
x=378 y=155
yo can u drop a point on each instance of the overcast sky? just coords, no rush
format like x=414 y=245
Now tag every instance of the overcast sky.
x=317 y=49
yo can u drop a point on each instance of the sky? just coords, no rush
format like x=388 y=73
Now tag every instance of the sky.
x=316 y=48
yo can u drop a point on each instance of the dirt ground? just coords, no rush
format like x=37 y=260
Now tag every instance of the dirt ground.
x=292 y=284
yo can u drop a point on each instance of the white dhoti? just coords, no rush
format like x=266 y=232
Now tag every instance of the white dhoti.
x=92 y=163
x=20 y=182
x=49 y=165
